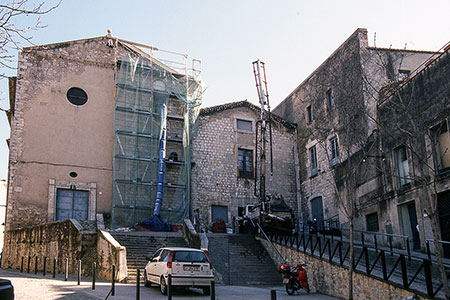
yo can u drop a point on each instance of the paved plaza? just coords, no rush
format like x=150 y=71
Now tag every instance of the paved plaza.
x=37 y=287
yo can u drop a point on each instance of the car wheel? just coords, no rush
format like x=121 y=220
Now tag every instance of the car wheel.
x=206 y=290
x=146 y=282
x=163 y=286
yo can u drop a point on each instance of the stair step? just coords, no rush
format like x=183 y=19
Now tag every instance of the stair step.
x=139 y=245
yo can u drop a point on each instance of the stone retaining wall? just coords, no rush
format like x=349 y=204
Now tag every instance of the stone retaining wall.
x=110 y=253
x=331 y=279
x=58 y=240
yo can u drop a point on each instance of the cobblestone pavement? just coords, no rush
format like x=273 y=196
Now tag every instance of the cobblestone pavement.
x=37 y=287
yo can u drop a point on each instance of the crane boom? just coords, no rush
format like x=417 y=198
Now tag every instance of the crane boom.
x=259 y=71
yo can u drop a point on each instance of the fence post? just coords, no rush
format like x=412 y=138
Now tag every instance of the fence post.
x=428 y=250
x=428 y=279
x=94 y=274
x=113 y=281
x=169 y=287
x=45 y=266
x=66 y=271
x=408 y=249
x=21 y=265
x=54 y=267
x=138 y=284
x=212 y=288
x=29 y=263
x=273 y=295
x=383 y=264
x=329 y=249
x=35 y=265
x=79 y=272
x=304 y=242
x=404 y=272
x=375 y=241
x=366 y=257
x=390 y=245
x=320 y=247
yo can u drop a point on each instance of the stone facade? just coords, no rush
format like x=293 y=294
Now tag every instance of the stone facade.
x=215 y=174
x=422 y=107
x=50 y=137
x=335 y=109
x=56 y=145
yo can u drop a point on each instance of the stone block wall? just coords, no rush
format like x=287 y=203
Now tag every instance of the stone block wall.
x=59 y=240
x=331 y=279
x=110 y=253
x=215 y=175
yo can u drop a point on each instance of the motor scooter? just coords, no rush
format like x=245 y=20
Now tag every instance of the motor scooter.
x=294 y=278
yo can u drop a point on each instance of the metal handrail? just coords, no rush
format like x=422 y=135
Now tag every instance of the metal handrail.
x=424 y=265
x=442 y=242
x=377 y=233
x=270 y=242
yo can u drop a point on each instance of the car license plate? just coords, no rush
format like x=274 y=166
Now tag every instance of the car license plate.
x=285 y=280
x=191 y=268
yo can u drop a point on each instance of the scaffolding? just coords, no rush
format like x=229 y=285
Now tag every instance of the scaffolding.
x=143 y=84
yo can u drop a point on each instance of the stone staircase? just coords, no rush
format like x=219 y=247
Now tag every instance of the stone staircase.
x=141 y=244
x=250 y=264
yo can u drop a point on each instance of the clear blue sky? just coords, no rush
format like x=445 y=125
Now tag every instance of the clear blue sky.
x=292 y=37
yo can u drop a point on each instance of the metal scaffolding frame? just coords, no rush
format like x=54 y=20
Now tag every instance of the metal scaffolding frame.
x=143 y=84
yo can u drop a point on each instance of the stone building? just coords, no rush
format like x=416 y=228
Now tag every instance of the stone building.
x=336 y=110
x=413 y=137
x=223 y=154
x=85 y=123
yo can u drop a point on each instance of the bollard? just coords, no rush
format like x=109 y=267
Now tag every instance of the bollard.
x=35 y=265
x=94 y=271
x=169 y=287
x=138 y=284
x=66 y=271
x=44 y=267
x=273 y=295
x=21 y=265
x=212 y=289
x=113 y=281
x=79 y=272
x=54 y=267
x=29 y=263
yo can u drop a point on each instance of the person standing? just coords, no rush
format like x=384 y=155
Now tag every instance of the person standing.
x=196 y=220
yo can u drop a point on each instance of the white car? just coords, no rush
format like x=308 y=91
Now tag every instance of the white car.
x=189 y=267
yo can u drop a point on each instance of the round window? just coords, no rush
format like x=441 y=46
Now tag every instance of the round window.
x=77 y=96
x=73 y=174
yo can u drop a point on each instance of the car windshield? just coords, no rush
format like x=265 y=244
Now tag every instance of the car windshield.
x=189 y=256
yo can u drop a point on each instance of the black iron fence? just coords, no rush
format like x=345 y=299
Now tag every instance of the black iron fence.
x=396 y=267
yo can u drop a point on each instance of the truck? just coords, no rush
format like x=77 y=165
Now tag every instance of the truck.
x=273 y=217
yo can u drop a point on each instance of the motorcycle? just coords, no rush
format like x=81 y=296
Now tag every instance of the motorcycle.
x=295 y=278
